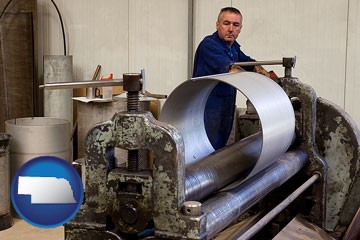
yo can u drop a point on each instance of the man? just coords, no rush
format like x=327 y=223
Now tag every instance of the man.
x=214 y=55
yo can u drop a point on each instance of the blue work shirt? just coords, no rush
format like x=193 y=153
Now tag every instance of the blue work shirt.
x=214 y=56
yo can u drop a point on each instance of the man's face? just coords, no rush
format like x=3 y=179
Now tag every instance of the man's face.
x=229 y=26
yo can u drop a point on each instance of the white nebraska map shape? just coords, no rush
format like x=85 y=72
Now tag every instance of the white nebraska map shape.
x=46 y=190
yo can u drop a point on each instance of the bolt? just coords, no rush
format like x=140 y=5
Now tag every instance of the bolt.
x=192 y=208
x=131 y=82
x=129 y=214
x=289 y=64
x=133 y=85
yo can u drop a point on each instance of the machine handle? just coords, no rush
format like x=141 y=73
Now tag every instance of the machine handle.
x=82 y=84
x=285 y=62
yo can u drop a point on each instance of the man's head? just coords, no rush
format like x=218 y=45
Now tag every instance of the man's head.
x=229 y=24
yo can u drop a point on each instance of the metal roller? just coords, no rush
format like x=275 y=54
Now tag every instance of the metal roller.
x=222 y=167
x=226 y=206
x=184 y=109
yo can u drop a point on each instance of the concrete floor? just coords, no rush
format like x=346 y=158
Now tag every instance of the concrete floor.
x=21 y=230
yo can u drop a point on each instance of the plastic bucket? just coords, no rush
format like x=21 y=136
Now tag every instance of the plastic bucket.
x=38 y=136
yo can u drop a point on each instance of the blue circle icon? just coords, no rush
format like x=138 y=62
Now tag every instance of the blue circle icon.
x=47 y=192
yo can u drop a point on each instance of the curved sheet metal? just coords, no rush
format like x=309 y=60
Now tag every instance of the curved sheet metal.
x=184 y=109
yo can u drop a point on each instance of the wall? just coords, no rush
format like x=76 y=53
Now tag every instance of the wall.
x=321 y=34
x=122 y=36
x=125 y=36
x=352 y=81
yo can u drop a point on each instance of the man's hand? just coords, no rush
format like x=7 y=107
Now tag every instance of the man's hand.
x=236 y=69
x=261 y=70
x=258 y=69
x=271 y=74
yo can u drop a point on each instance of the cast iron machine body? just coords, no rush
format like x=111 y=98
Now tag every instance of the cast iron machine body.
x=125 y=200
x=192 y=192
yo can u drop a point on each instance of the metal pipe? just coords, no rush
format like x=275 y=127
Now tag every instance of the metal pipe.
x=287 y=62
x=82 y=84
x=274 y=212
x=271 y=62
x=226 y=206
x=58 y=104
x=222 y=167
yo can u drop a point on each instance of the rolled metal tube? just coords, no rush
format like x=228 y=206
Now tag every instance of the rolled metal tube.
x=222 y=167
x=185 y=106
x=226 y=206
x=268 y=217
x=82 y=84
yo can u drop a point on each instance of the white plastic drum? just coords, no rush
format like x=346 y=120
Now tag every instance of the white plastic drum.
x=38 y=136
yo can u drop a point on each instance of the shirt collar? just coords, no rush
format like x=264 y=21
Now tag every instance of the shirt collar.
x=216 y=36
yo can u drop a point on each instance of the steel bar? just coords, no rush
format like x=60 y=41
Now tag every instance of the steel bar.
x=82 y=84
x=227 y=206
x=271 y=62
x=274 y=212
x=222 y=167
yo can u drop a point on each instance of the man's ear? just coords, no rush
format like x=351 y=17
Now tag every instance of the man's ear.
x=217 y=25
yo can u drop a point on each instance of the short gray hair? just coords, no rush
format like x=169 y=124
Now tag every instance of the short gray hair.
x=229 y=9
